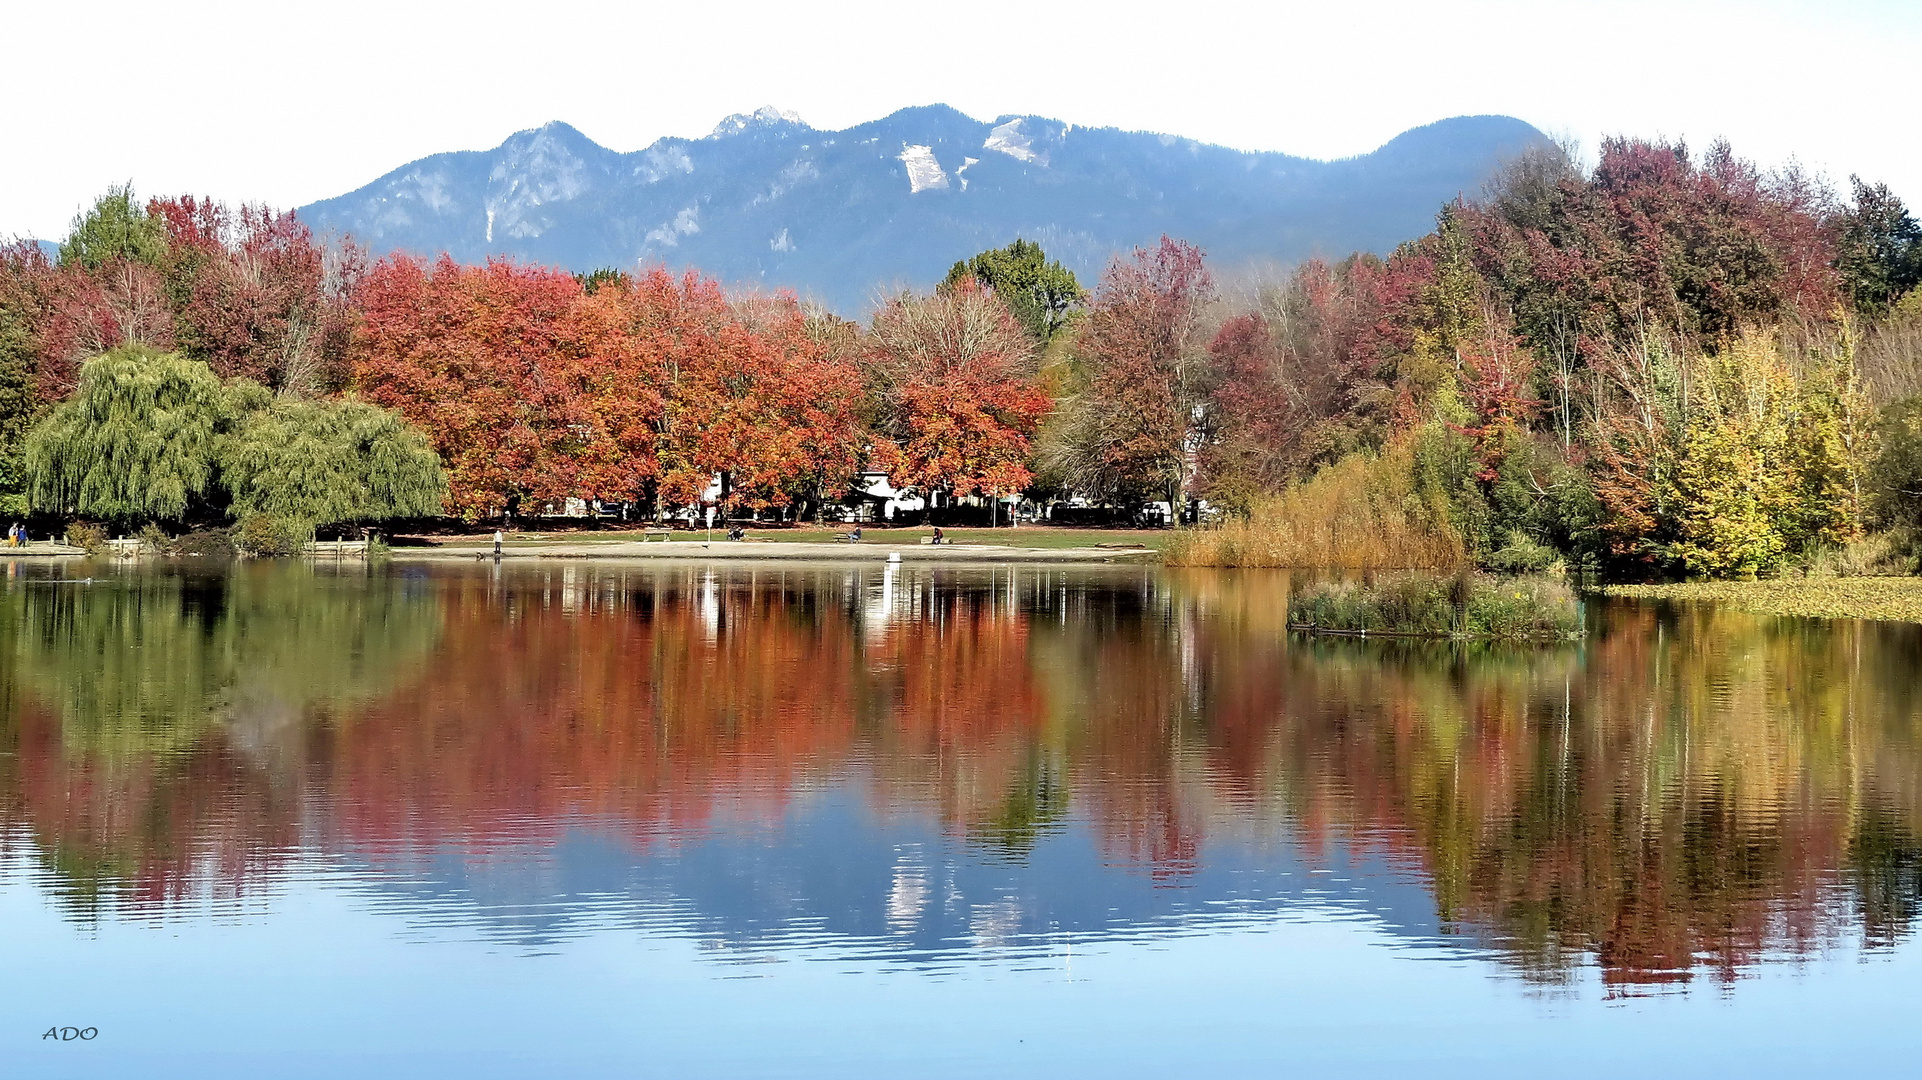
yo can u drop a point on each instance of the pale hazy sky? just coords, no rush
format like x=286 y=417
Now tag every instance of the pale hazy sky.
x=290 y=102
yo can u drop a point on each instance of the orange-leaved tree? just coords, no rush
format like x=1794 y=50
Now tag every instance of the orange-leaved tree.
x=478 y=358
x=957 y=391
x=753 y=400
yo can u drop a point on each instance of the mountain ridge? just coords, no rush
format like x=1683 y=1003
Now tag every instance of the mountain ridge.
x=767 y=200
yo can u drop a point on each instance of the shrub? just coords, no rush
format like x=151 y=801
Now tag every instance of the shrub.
x=90 y=537
x=1520 y=555
x=216 y=543
x=1895 y=472
x=267 y=535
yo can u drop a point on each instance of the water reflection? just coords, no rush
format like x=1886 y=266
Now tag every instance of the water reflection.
x=931 y=765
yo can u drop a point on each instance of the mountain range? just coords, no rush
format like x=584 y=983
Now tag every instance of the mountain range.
x=841 y=216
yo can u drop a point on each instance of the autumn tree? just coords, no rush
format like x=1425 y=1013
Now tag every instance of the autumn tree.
x=820 y=406
x=1131 y=422
x=1655 y=236
x=255 y=296
x=475 y=357
x=956 y=390
x=251 y=293
x=756 y=401
x=1727 y=463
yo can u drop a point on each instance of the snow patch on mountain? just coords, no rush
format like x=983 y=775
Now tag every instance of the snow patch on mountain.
x=800 y=172
x=660 y=162
x=685 y=223
x=1014 y=140
x=923 y=171
x=433 y=189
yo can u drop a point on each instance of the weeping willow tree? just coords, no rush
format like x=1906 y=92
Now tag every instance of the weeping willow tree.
x=330 y=462
x=151 y=436
x=140 y=440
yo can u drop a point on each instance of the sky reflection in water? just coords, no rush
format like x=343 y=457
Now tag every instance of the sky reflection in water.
x=687 y=820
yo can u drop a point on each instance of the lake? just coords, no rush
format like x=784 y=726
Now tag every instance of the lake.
x=681 y=820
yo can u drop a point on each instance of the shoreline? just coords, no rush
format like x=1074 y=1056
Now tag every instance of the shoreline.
x=770 y=551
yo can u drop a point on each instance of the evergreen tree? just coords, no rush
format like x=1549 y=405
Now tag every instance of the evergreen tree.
x=117 y=227
x=1039 y=293
x=1879 y=250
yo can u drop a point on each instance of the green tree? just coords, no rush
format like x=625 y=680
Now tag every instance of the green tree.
x=140 y=439
x=1039 y=293
x=329 y=462
x=19 y=405
x=1879 y=249
x=117 y=227
x=154 y=436
x=592 y=281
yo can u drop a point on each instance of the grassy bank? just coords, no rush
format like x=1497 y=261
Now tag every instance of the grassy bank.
x=1472 y=606
x=1895 y=599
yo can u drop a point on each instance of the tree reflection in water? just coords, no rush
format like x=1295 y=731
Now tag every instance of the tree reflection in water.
x=1689 y=791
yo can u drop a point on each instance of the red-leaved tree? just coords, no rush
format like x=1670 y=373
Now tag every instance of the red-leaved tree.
x=1134 y=422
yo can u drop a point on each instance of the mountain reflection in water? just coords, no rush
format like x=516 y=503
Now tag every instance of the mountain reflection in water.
x=928 y=767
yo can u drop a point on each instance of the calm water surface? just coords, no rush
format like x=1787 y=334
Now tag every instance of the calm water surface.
x=680 y=820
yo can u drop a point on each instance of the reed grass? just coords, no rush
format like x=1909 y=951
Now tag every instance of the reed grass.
x=1461 y=605
x=1363 y=512
x=1890 y=599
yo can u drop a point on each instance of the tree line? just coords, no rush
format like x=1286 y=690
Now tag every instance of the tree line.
x=1667 y=364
